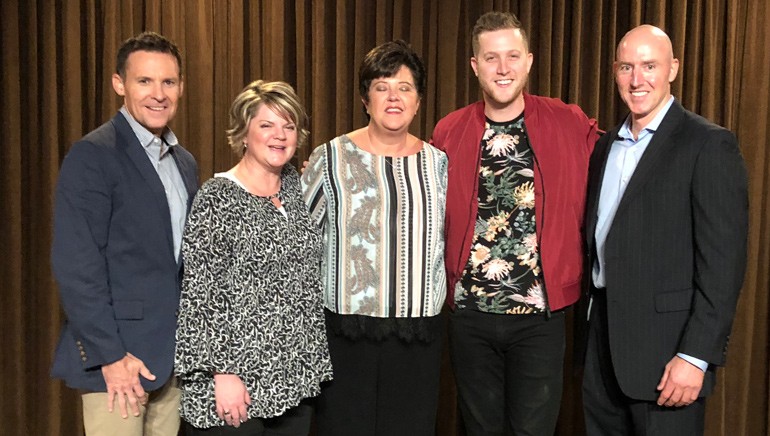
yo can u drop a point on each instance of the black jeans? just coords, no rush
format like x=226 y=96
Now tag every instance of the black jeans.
x=293 y=422
x=508 y=370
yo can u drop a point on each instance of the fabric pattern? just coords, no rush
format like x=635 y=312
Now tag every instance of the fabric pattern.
x=383 y=226
x=503 y=274
x=251 y=301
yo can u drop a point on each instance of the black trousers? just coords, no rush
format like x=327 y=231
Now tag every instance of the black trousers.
x=508 y=370
x=380 y=388
x=610 y=412
x=293 y=422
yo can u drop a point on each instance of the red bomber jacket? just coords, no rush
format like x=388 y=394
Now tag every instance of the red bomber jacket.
x=562 y=138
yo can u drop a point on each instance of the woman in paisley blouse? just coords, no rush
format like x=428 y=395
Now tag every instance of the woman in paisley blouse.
x=251 y=346
x=379 y=195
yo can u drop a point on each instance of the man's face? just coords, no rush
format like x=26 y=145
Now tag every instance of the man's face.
x=151 y=88
x=502 y=65
x=644 y=70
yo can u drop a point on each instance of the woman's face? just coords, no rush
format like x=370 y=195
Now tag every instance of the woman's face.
x=393 y=101
x=271 y=139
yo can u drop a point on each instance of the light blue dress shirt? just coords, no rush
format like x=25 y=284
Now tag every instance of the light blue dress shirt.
x=625 y=153
x=157 y=150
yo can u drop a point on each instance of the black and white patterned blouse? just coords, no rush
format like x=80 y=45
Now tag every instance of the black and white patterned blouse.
x=251 y=302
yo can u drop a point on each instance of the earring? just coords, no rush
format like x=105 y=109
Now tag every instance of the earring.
x=245 y=145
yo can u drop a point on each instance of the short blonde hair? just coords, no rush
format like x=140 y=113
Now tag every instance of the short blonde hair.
x=492 y=21
x=278 y=96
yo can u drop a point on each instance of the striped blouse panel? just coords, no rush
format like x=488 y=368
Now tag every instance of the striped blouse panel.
x=383 y=224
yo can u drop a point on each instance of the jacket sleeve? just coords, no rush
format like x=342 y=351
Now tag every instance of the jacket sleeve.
x=312 y=185
x=720 y=225
x=205 y=343
x=82 y=214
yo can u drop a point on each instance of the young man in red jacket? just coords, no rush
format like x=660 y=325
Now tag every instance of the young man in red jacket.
x=518 y=168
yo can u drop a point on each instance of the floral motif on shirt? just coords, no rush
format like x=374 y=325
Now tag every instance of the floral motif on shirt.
x=503 y=274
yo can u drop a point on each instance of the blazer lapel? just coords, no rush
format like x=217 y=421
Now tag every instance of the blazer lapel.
x=131 y=146
x=596 y=176
x=655 y=151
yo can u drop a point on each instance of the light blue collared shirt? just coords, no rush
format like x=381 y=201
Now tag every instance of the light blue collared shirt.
x=157 y=150
x=625 y=154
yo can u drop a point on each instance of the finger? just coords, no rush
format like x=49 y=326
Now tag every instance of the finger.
x=675 y=398
x=246 y=397
x=122 y=405
x=244 y=415
x=110 y=400
x=145 y=372
x=665 y=394
x=663 y=380
x=235 y=418
x=133 y=403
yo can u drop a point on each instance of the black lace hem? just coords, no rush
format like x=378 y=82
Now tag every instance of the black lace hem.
x=355 y=327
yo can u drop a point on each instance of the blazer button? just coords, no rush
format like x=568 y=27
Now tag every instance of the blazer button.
x=83 y=358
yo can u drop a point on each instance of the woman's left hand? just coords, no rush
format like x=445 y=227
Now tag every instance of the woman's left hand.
x=232 y=398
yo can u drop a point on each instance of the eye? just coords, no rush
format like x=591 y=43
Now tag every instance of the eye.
x=380 y=88
x=169 y=82
x=405 y=88
x=265 y=125
x=649 y=67
x=291 y=127
x=144 y=81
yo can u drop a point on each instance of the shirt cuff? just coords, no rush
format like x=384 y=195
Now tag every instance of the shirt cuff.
x=701 y=364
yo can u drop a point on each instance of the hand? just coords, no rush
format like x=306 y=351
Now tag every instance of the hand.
x=231 y=399
x=122 y=379
x=681 y=383
x=304 y=167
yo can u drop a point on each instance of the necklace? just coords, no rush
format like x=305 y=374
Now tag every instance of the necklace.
x=273 y=196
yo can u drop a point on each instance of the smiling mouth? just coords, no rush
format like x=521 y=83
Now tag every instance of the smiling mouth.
x=504 y=82
x=393 y=110
x=277 y=147
x=156 y=108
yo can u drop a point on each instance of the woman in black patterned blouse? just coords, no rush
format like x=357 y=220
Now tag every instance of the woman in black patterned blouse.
x=251 y=345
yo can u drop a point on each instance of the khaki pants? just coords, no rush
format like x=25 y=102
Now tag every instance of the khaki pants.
x=159 y=417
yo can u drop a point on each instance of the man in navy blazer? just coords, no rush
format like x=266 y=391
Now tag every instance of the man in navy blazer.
x=666 y=226
x=122 y=198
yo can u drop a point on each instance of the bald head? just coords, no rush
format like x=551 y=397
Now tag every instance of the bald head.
x=647 y=34
x=644 y=69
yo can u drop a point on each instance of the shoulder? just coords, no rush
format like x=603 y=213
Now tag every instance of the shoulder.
x=697 y=129
x=434 y=152
x=553 y=106
x=463 y=114
x=217 y=190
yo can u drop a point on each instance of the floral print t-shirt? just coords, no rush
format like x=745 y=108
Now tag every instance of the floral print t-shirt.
x=503 y=273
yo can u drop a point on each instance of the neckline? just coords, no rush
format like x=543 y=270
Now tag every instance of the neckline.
x=231 y=177
x=347 y=139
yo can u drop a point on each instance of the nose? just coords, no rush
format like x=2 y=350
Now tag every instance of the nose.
x=502 y=67
x=392 y=94
x=157 y=92
x=280 y=134
x=637 y=76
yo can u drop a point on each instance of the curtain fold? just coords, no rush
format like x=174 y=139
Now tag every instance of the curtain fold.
x=58 y=57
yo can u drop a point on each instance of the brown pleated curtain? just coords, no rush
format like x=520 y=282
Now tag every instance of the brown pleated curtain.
x=57 y=57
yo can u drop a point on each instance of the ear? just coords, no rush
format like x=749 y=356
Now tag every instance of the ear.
x=475 y=65
x=181 y=87
x=366 y=104
x=117 y=85
x=674 y=70
x=530 y=59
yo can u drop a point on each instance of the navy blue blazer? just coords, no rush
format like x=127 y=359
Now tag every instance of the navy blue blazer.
x=675 y=253
x=113 y=257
